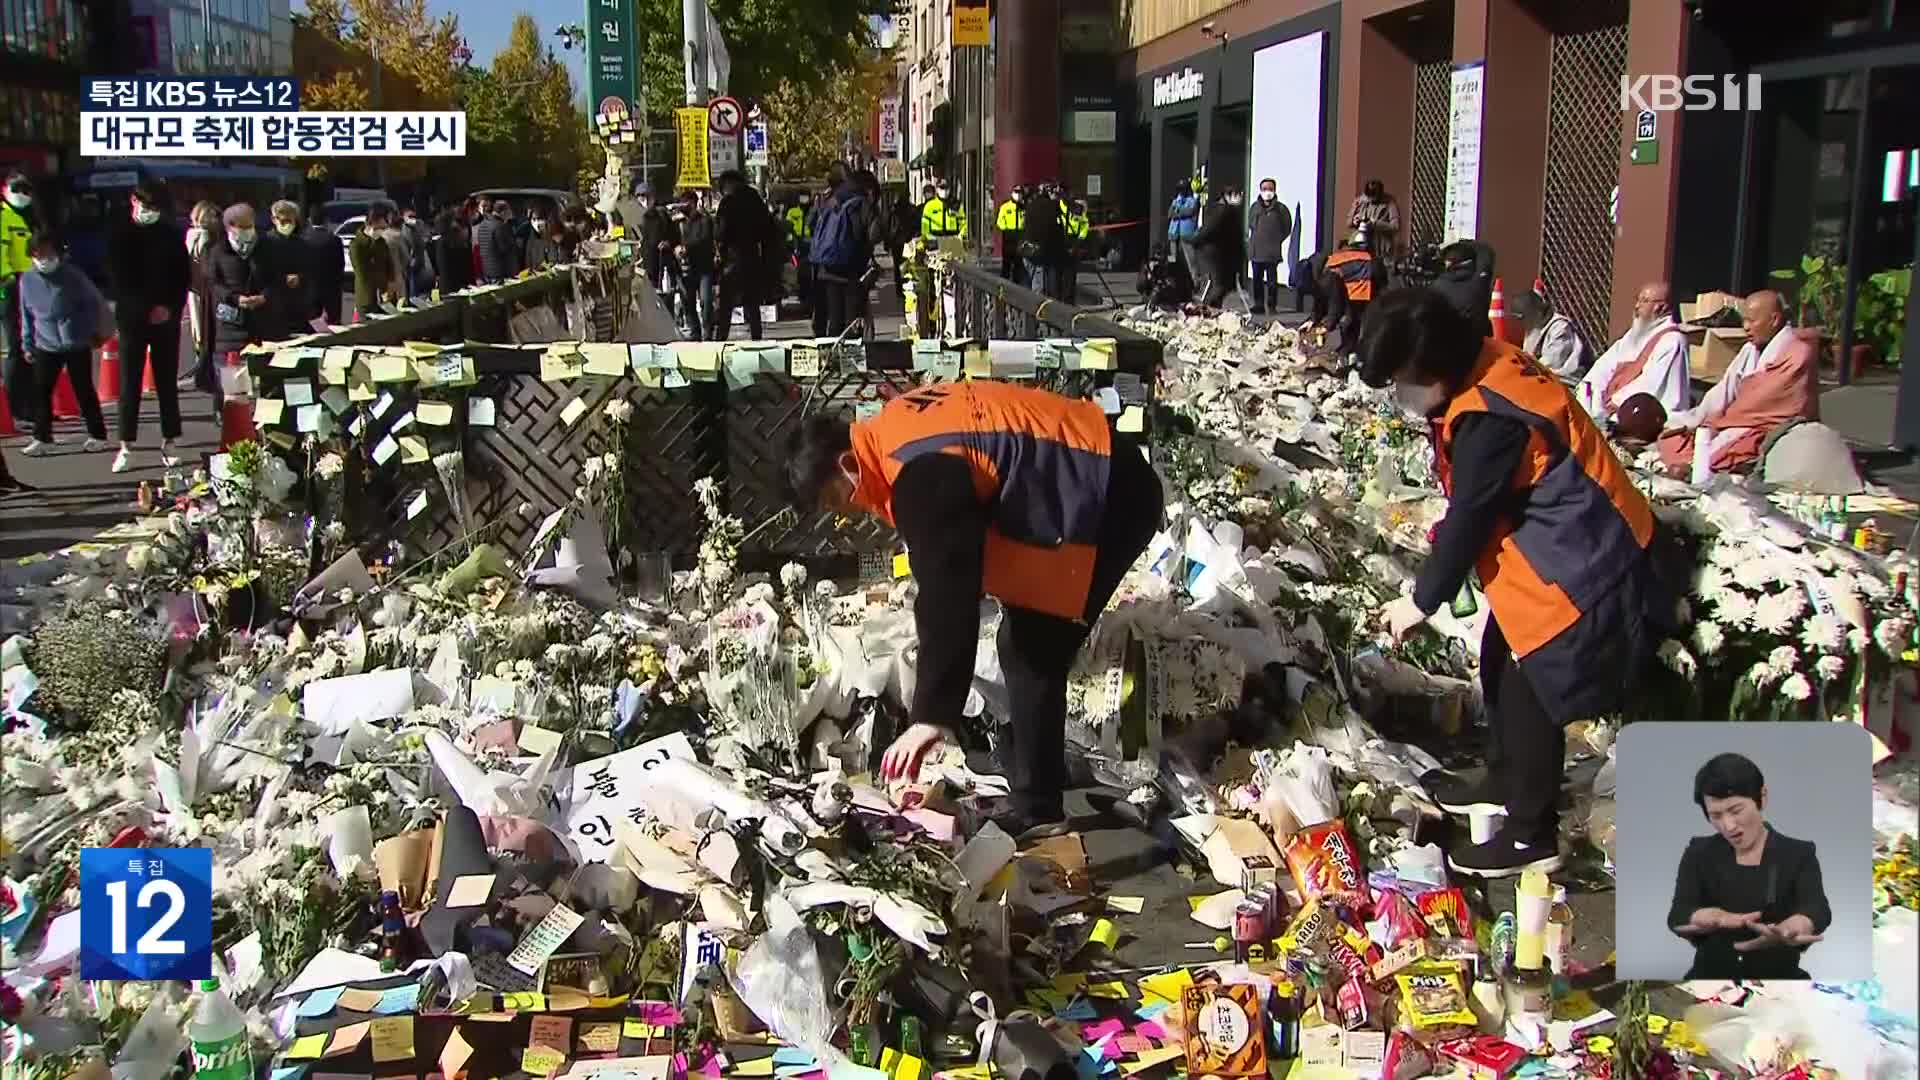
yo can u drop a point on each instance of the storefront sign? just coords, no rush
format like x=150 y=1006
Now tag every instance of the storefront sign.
x=1093 y=127
x=1463 y=152
x=1174 y=89
x=613 y=66
x=891 y=171
x=889 y=127
x=970 y=23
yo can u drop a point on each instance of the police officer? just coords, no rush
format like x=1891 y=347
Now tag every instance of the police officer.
x=940 y=216
x=1563 y=544
x=17 y=222
x=1005 y=491
x=799 y=222
x=1079 y=230
x=1011 y=220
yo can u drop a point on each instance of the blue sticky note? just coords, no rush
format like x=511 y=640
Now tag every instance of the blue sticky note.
x=321 y=1002
x=1078 y=1009
x=791 y=1055
x=289 y=1072
x=399 y=999
x=1148 y=1012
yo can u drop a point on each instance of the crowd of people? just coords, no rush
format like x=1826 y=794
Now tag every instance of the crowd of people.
x=227 y=279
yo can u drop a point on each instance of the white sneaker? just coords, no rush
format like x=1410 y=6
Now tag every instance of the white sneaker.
x=123 y=460
x=94 y=446
x=36 y=448
x=169 y=456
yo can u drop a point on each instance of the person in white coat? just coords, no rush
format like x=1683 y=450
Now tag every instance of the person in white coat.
x=1650 y=358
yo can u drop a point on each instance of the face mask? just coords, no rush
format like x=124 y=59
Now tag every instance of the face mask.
x=942 y=193
x=18 y=200
x=241 y=239
x=411 y=222
x=47 y=265
x=144 y=215
x=1419 y=399
x=538 y=224
x=1267 y=196
x=284 y=228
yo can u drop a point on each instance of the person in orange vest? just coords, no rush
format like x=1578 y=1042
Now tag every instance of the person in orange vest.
x=1004 y=491
x=1562 y=541
x=1343 y=287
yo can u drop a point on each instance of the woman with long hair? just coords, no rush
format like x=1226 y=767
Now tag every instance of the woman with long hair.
x=202 y=226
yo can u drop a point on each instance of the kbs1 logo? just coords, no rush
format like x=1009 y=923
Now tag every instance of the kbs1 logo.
x=1691 y=93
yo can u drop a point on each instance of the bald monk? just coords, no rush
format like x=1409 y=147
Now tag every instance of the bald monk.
x=1650 y=358
x=1769 y=383
x=1640 y=420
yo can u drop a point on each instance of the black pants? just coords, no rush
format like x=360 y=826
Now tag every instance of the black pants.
x=896 y=253
x=331 y=299
x=1037 y=651
x=841 y=304
x=1012 y=266
x=16 y=367
x=1266 y=287
x=1526 y=747
x=737 y=290
x=803 y=280
x=78 y=364
x=142 y=342
x=1220 y=281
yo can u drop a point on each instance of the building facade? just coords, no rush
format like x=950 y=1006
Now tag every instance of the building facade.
x=48 y=47
x=218 y=36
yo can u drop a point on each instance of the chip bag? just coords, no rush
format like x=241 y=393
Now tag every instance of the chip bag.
x=1446 y=911
x=1325 y=863
x=1434 y=996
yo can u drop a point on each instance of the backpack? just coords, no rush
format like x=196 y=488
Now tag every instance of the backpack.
x=838 y=238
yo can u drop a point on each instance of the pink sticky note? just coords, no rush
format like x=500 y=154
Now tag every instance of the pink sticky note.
x=939 y=826
x=1133 y=1044
x=1111 y=1047
x=1150 y=1029
x=1097 y=1031
x=659 y=1014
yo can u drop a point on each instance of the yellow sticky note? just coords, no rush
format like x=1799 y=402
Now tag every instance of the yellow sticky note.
x=1104 y=933
x=413 y=449
x=307 y=1048
x=422 y=348
x=561 y=1002
x=454 y=1056
x=600 y=1038
x=1152 y=1058
x=539 y=740
x=434 y=413
x=889 y=1060
x=1133 y=420
x=637 y=1029
x=540 y=1061
x=902 y=567
x=393 y=1038
x=1069 y=984
x=977 y=363
x=558 y=366
x=268 y=410
x=1114 y=990
x=1096 y=354
x=390 y=368
x=575 y=410
x=605 y=358
x=285 y=359
x=1166 y=986
x=698 y=355
x=360 y=391
x=1126 y=905
x=910 y=1068
x=756 y=1067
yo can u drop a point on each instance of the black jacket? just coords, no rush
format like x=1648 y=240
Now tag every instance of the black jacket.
x=1469 y=287
x=1269 y=224
x=544 y=251
x=903 y=224
x=230 y=276
x=289 y=307
x=326 y=265
x=743 y=232
x=453 y=257
x=657 y=227
x=499 y=254
x=697 y=233
x=1046 y=230
x=1786 y=883
x=147 y=267
x=1221 y=242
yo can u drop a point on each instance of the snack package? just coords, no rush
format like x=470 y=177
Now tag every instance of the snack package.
x=1446 y=911
x=1482 y=1057
x=1361 y=944
x=1226 y=1030
x=1406 y=1058
x=1325 y=862
x=1433 y=996
x=1399 y=960
x=1310 y=925
x=1398 y=915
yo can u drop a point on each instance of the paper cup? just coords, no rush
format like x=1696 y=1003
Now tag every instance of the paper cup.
x=1482 y=824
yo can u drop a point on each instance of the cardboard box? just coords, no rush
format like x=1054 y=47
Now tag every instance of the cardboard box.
x=1482 y=1057
x=1239 y=853
x=1708 y=304
x=1712 y=351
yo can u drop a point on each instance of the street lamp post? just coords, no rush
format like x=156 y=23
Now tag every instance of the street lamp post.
x=1220 y=37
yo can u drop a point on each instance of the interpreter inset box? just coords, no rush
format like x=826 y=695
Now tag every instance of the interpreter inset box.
x=1745 y=851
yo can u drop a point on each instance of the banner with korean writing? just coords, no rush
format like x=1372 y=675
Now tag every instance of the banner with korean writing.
x=613 y=68
x=970 y=26
x=691 y=127
x=258 y=134
x=889 y=140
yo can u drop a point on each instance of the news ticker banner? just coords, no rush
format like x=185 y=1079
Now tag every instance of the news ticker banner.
x=245 y=116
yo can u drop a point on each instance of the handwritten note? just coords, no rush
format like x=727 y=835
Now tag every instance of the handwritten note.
x=607 y=790
x=268 y=411
x=600 y=1038
x=481 y=411
x=389 y=368
x=559 y=366
x=434 y=413
x=413 y=449
x=455 y=1055
x=575 y=410
x=605 y=358
x=384 y=450
x=307 y=1047
x=544 y=939
x=393 y=1039
x=552 y=1033
x=297 y=392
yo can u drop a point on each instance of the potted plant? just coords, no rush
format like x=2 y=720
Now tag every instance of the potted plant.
x=1880 y=313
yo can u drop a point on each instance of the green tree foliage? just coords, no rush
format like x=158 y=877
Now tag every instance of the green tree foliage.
x=809 y=123
x=408 y=40
x=800 y=43
x=524 y=127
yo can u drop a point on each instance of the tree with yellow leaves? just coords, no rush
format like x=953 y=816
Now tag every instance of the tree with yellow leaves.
x=809 y=125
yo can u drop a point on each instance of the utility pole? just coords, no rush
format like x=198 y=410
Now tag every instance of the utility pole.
x=693 y=24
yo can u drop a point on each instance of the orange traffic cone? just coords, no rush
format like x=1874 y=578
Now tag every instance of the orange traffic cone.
x=108 y=381
x=66 y=406
x=1540 y=286
x=1497 y=312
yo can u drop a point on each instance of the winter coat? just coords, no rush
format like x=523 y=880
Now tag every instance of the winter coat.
x=231 y=275
x=1469 y=287
x=61 y=310
x=1269 y=224
x=1221 y=243
x=743 y=233
x=499 y=255
x=148 y=267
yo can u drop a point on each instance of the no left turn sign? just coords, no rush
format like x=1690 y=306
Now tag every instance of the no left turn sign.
x=725 y=116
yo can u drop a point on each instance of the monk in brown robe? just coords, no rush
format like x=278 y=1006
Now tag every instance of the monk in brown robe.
x=1770 y=382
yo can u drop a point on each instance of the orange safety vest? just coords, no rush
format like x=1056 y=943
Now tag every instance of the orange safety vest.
x=1584 y=526
x=1039 y=459
x=1358 y=277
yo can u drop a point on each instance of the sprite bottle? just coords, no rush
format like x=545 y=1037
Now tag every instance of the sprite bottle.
x=219 y=1036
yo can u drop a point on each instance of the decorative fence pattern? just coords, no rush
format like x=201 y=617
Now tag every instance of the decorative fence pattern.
x=1583 y=165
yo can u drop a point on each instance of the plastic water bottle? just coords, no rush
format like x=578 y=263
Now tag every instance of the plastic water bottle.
x=219 y=1035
